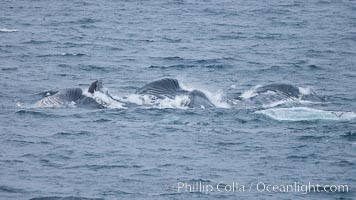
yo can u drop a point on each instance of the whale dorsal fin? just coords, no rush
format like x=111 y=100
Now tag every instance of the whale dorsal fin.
x=167 y=87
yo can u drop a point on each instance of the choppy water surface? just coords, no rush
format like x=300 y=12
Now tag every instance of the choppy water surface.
x=224 y=48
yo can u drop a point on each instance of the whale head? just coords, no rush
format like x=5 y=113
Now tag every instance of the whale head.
x=199 y=100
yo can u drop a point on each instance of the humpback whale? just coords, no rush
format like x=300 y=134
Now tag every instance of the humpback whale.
x=68 y=96
x=170 y=88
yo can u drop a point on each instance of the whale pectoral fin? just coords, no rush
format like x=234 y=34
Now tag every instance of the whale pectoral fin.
x=167 y=87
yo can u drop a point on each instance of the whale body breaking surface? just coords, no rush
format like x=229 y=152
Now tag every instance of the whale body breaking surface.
x=270 y=100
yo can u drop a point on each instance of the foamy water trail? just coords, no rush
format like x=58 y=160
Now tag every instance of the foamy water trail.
x=306 y=114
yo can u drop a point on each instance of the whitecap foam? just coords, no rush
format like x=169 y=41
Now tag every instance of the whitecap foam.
x=217 y=99
x=5 y=30
x=306 y=114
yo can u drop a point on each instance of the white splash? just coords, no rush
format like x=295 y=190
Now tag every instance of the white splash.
x=139 y=99
x=216 y=97
x=19 y=104
x=250 y=93
x=105 y=100
x=306 y=90
x=149 y=100
x=178 y=102
x=306 y=114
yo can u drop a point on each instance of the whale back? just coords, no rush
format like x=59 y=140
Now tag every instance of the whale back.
x=167 y=87
x=286 y=89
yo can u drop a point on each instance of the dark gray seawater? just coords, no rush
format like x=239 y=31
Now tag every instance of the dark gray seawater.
x=143 y=153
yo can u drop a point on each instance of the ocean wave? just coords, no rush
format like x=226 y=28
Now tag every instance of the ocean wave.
x=35 y=113
x=37 y=42
x=75 y=133
x=8 y=189
x=9 y=69
x=343 y=163
x=99 y=167
x=312 y=137
x=350 y=135
x=94 y=68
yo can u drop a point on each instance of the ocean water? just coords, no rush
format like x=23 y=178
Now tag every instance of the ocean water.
x=222 y=47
